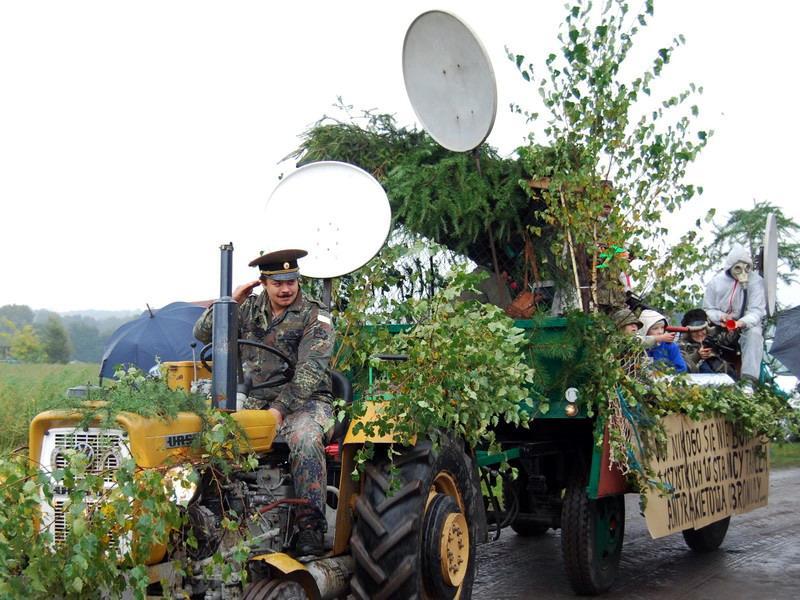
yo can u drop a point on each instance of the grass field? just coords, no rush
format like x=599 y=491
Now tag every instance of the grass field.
x=784 y=455
x=26 y=390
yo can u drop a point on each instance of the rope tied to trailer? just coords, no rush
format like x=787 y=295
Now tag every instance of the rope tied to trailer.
x=628 y=420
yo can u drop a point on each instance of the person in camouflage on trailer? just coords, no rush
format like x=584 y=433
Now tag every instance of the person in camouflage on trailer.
x=698 y=354
x=281 y=317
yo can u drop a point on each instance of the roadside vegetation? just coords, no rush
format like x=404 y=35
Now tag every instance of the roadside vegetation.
x=27 y=389
x=782 y=456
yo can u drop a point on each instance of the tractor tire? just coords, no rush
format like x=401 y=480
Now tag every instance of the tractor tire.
x=708 y=538
x=417 y=540
x=592 y=532
x=275 y=589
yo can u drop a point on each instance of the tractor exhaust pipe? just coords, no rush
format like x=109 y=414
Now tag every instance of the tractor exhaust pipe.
x=224 y=333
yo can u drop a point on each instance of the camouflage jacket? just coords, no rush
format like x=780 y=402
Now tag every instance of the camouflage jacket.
x=690 y=350
x=691 y=354
x=304 y=333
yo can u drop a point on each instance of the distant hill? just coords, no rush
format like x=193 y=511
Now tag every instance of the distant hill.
x=89 y=330
x=101 y=315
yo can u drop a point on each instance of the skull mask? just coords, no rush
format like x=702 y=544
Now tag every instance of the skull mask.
x=740 y=271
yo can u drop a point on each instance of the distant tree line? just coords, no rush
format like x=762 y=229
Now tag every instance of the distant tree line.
x=45 y=336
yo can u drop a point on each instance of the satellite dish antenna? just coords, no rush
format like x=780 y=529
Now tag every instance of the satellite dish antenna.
x=335 y=211
x=449 y=80
x=769 y=263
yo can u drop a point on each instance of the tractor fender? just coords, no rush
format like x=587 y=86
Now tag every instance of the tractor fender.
x=291 y=570
x=361 y=436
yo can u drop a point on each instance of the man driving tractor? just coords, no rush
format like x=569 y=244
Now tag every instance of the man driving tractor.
x=281 y=317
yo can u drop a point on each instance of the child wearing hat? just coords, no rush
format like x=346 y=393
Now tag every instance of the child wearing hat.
x=661 y=346
x=626 y=321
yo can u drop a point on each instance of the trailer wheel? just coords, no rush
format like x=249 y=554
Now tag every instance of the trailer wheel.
x=275 y=589
x=528 y=529
x=591 y=536
x=520 y=526
x=708 y=538
x=418 y=540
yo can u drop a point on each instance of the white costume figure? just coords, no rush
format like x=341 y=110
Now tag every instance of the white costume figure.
x=736 y=293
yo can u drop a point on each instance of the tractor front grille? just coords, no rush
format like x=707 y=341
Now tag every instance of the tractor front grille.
x=105 y=448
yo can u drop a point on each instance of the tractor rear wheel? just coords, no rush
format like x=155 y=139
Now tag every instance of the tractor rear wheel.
x=591 y=536
x=418 y=539
x=708 y=538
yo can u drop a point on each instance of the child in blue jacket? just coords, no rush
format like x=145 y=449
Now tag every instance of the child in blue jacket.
x=659 y=344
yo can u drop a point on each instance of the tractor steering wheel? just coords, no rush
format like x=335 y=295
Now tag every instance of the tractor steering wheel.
x=282 y=377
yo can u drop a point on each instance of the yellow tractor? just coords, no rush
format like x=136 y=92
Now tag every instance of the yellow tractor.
x=416 y=539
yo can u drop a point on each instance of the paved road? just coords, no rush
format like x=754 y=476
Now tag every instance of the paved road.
x=759 y=559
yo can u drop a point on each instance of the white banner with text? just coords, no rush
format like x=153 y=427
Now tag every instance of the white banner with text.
x=712 y=470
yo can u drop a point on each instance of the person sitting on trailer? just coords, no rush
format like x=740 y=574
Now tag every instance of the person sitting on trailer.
x=660 y=344
x=735 y=299
x=281 y=317
x=701 y=352
x=626 y=321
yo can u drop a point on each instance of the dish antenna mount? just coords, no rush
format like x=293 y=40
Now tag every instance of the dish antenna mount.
x=769 y=262
x=449 y=80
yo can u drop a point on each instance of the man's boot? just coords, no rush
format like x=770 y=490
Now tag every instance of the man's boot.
x=309 y=540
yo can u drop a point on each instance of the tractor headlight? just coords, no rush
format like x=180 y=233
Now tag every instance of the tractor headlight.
x=181 y=483
x=571 y=396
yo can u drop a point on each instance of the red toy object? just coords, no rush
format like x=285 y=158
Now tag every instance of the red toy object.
x=677 y=329
x=680 y=329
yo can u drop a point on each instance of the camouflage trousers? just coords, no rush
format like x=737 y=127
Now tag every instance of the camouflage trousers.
x=306 y=431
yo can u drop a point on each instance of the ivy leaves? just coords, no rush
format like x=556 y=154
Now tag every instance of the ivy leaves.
x=109 y=530
x=465 y=371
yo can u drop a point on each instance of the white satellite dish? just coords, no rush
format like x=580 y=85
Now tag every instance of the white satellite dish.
x=449 y=80
x=336 y=212
x=769 y=263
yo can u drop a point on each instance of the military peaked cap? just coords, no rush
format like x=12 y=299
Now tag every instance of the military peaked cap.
x=280 y=265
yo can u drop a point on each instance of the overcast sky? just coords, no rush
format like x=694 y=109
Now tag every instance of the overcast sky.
x=137 y=137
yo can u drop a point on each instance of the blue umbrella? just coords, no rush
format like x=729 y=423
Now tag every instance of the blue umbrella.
x=165 y=333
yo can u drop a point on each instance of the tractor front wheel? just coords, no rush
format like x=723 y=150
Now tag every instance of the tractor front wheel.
x=414 y=536
x=591 y=537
